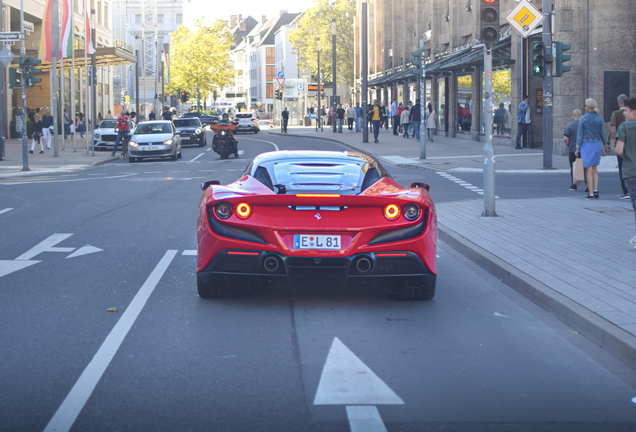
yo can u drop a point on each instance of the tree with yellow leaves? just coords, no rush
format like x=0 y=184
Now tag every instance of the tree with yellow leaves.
x=200 y=61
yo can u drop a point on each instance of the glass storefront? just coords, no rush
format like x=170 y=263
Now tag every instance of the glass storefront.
x=441 y=104
x=501 y=103
x=464 y=103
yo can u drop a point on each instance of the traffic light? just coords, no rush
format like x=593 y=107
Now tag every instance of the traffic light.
x=32 y=80
x=15 y=78
x=538 y=66
x=184 y=96
x=420 y=58
x=489 y=22
x=279 y=94
x=560 y=58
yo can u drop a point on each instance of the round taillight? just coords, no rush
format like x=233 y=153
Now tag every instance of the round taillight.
x=411 y=211
x=391 y=212
x=223 y=210
x=243 y=210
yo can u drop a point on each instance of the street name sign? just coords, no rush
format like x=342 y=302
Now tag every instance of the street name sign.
x=9 y=36
x=525 y=17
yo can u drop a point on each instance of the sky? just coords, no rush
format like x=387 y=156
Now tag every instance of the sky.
x=222 y=9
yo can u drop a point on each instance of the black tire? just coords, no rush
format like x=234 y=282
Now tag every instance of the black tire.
x=132 y=159
x=180 y=155
x=416 y=291
x=207 y=291
x=236 y=155
x=224 y=154
x=256 y=131
x=202 y=143
x=173 y=157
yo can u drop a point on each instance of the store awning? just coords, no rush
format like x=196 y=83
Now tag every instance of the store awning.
x=404 y=75
x=108 y=56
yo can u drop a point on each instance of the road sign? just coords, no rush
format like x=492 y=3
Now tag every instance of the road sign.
x=280 y=74
x=259 y=103
x=300 y=87
x=525 y=17
x=6 y=56
x=28 y=26
x=280 y=81
x=12 y=36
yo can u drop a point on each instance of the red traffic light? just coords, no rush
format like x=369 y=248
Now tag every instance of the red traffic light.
x=490 y=1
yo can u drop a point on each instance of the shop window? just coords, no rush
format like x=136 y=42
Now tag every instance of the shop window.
x=501 y=94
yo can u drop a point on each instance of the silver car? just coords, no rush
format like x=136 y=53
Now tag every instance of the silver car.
x=105 y=135
x=154 y=139
x=247 y=122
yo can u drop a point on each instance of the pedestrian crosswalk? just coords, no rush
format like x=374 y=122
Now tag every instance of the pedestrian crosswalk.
x=462 y=182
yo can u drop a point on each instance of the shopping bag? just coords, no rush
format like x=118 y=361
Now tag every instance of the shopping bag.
x=578 y=174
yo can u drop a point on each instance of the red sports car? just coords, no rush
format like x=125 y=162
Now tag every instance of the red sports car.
x=299 y=216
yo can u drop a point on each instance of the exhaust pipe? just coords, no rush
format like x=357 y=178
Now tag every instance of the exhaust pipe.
x=270 y=263
x=363 y=264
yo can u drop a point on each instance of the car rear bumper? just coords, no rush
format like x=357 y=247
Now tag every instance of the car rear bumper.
x=378 y=269
x=249 y=128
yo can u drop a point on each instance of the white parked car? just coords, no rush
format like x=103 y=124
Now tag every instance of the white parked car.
x=105 y=135
x=247 y=122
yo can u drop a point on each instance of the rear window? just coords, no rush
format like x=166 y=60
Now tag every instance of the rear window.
x=108 y=124
x=243 y=116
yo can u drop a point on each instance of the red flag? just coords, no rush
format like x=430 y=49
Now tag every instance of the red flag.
x=46 y=51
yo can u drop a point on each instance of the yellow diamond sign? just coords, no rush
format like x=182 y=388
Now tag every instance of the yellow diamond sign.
x=525 y=17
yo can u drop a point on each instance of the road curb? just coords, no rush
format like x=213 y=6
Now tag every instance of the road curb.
x=102 y=162
x=363 y=150
x=608 y=336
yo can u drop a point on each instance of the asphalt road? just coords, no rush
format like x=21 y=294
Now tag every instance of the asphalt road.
x=477 y=358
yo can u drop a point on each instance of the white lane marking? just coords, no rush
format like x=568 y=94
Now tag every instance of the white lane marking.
x=152 y=172
x=67 y=413
x=7 y=267
x=192 y=160
x=51 y=180
x=365 y=419
x=211 y=149
x=85 y=250
x=46 y=246
x=461 y=182
x=207 y=170
x=269 y=142
x=69 y=175
x=5 y=210
x=500 y=315
x=345 y=380
x=190 y=252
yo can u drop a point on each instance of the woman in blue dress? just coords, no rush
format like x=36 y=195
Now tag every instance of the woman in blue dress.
x=590 y=140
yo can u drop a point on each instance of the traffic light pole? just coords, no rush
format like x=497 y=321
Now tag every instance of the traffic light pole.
x=547 y=86
x=422 y=102
x=25 y=154
x=489 y=151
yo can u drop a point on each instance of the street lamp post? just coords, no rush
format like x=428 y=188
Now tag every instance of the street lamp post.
x=319 y=89
x=333 y=71
x=365 y=72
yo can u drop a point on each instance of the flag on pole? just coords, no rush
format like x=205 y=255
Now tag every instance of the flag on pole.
x=89 y=43
x=46 y=51
x=67 y=29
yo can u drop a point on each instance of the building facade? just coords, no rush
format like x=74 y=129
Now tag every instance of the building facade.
x=448 y=30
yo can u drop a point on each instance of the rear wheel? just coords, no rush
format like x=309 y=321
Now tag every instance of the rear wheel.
x=420 y=290
x=213 y=290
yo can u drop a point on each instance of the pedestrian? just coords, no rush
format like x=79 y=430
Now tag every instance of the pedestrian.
x=590 y=139
x=570 y=139
x=285 y=119
x=416 y=119
x=67 y=123
x=524 y=122
x=81 y=124
x=351 y=117
x=37 y=134
x=152 y=115
x=460 y=117
x=166 y=114
x=618 y=117
x=358 y=117
x=109 y=115
x=468 y=120
x=132 y=115
x=508 y=121
x=405 y=121
x=400 y=109
x=375 y=114
x=430 y=121
x=100 y=118
x=394 y=118
x=330 y=116
x=121 y=127
x=47 y=128
x=626 y=148
x=19 y=124
x=340 y=113
x=499 y=118
x=31 y=115
x=385 y=116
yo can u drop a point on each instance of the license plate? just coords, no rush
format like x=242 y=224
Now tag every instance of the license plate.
x=317 y=241
x=151 y=148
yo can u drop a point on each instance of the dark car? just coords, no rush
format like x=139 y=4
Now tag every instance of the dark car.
x=191 y=130
x=206 y=119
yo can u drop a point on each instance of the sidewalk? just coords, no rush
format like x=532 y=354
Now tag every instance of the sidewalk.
x=570 y=256
x=445 y=153
x=67 y=159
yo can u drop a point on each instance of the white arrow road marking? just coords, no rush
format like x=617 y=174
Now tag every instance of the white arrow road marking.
x=268 y=142
x=5 y=210
x=190 y=252
x=46 y=246
x=7 y=267
x=88 y=249
x=365 y=418
x=67 y=413
x=345 y=380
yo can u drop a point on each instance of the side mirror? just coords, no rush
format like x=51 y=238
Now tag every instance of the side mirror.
x=421 y=185
x=209 y=183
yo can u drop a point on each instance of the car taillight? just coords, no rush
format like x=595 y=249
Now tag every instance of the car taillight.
x=253 y=119
x=223 y=210
x=411 y=211
x=243 y=210
x=391 y=212
x=318 y=195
